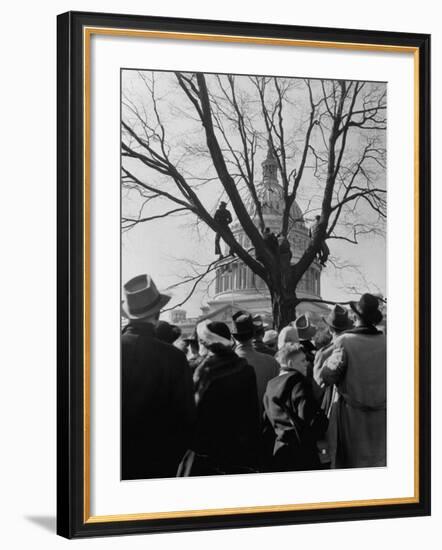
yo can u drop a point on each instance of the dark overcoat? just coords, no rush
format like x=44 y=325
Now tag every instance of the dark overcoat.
x=158 y=408
x=297 y=422
x=228 y=420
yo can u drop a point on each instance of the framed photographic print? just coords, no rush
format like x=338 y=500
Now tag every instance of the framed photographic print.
x=243 y=274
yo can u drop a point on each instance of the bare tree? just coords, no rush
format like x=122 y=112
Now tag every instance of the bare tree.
x=328 y=139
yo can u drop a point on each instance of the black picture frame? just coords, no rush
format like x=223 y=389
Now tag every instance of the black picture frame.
x=72 y=516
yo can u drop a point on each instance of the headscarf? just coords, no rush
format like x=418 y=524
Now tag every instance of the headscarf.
x=288 y=335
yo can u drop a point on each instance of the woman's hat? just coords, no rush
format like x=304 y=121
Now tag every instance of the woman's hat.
x=338 y=318
x=304 y=328
x=368 y=309
x=270 y=337
x=214 y=332
x=288 y=335
x=143 y=299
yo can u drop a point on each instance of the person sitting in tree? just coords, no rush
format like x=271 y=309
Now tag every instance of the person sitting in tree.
x=285 y=251
x=271 y=240
x=324 y=250
x=224 y=218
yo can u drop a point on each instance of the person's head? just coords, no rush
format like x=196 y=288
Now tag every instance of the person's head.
x=166 y=332
x=222 y=204
x=258 y=327
x=267 y=230
x=143 y=302
x=317 y=217
x=305 y=329
x=322 y=338
x=214 y=337
x=367 y=310
x=292 y=357
x=338 y=320
x=243 y=327
x=270 y=338
x=287 y=335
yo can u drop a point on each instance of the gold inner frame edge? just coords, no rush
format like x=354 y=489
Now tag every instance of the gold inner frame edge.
x=87 y=33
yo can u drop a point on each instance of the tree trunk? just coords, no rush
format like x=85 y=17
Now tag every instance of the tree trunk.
x=283 y=310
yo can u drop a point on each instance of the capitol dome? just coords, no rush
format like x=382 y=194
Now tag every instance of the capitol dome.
x=235 y=283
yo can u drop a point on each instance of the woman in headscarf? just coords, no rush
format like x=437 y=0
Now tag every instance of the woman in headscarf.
x=287 y=335
x=227 y=428
x=293 y=413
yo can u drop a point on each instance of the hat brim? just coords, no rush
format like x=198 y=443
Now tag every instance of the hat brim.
x=350 y=324
x=164 y=299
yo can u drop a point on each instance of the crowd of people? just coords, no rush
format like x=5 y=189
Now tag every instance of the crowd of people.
x=251 y=399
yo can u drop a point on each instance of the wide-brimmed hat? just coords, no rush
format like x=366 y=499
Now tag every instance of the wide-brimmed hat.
x=368 y=309
x=338 y=318
x=305 y=329
x=143 y=299
x=243 y=324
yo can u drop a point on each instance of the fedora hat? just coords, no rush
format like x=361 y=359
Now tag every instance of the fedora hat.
x=368 y=309
x=143 y=299
x=304 y=328
x=338 y=318
x=243 y=324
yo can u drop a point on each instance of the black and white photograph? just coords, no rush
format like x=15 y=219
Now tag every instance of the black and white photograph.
x=253 y=274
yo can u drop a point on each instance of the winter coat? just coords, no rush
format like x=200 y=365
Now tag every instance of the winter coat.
x=357 y=427
x=297 y=422
x=227 y=428
x=223 y=216
x=158 y=409
x=265 y=367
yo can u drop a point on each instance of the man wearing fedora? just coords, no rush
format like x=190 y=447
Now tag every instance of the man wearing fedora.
x=265 y=366
x=357 y=368
x=337 y=321
x=224 y=218
x=158 y=408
